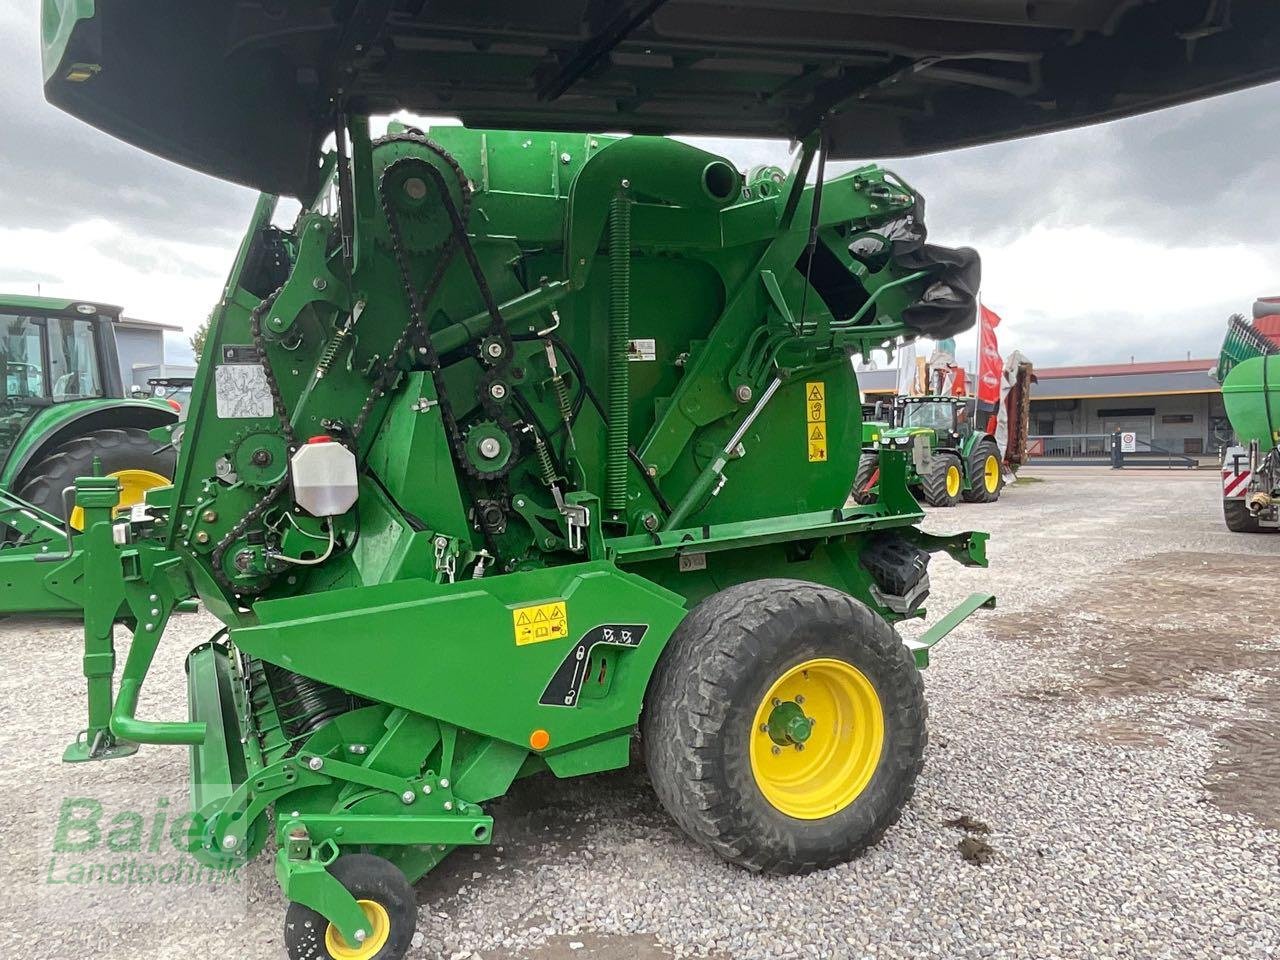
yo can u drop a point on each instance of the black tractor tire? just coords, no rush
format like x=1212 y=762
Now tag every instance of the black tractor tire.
x=700 y=716
x=124 y=448
x=933 y=485
x=976 y=471
x=1239 y=519
x=867 y=464
x=368 y=878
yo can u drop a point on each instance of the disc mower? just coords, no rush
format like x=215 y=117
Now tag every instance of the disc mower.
x=510 y=445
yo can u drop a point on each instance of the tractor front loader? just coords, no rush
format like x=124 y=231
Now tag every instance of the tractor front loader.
x=515 y=443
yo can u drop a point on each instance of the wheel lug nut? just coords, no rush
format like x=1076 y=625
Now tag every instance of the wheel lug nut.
x=777 y=750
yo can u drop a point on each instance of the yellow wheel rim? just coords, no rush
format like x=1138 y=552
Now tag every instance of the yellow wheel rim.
x=134 y=485
x=953 y=480
x=379 y=931
x=991 y=474
x=816 y=739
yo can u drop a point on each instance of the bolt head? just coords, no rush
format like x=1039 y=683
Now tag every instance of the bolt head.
x=799 y=698
x=744 y=393
x=448 y=804
x=490 y=448
x=497 y=391
x=415 y=188
x=494 y=349
x=408 y=797
x=777 y=750
x=444 y=783
x=209 y=516
x=426 y=789
x=361 y=936
x=229 y=843
x=315 y=763
x=565 y=158
x=202 y=536
x=799 y=748
x=319 y=283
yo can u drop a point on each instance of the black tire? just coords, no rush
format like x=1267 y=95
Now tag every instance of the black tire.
x=867 y=464
x=126 y=448
x=975 y=470
x=1239 y=519
x=933 y=485
x=368 y=878
x=699 y=718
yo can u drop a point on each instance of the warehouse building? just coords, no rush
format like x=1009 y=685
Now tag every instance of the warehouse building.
x=140 y=347
x=1171 y=405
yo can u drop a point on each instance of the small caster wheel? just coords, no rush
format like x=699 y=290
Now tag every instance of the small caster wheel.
x=387 y=899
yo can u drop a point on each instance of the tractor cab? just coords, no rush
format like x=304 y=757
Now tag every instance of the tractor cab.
x=53 y=353
x=62 y=402
x=947 y=417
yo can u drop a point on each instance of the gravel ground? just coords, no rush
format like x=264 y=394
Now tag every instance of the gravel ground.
x=1103 y=781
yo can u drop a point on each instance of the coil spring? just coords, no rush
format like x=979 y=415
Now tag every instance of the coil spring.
x=545 y=464
x=330 y=352
x=615 y=487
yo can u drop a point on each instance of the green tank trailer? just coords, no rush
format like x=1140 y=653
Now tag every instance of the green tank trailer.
x=1249 y=371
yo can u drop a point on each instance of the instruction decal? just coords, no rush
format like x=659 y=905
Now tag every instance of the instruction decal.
x=815 y=402
x=540 y=622
x=566 y=683
x=242 y=391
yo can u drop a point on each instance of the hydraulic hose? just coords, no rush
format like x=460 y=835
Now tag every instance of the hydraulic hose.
x=619 y=375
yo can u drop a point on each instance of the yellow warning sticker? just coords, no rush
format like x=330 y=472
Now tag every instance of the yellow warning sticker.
x=815 y=399
x=540 y=622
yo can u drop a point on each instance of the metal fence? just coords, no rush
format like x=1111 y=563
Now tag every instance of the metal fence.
x=1095 y=449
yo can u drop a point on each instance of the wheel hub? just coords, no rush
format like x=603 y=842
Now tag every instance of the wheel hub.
x=378 y=931
x=817 y=738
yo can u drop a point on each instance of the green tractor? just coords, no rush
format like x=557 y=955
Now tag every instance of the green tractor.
x=63 y=406
x=950 y=458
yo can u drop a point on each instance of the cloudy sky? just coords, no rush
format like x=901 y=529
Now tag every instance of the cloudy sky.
x=1130 y=239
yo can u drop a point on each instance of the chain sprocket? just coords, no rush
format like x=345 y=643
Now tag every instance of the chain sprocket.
x=259 y=457
x=491 y=450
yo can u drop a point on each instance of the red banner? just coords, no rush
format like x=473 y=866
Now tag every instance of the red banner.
x=990 y=366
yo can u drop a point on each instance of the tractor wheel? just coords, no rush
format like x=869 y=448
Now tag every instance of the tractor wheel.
x=127 y=454
x=387 y=899
x=986 y=476
x=1239 y=519
x=784 y=726
x=864 y=479
x=941 y=485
